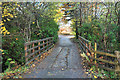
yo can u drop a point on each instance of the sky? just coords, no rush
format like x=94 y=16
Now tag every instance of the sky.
x=65 y=25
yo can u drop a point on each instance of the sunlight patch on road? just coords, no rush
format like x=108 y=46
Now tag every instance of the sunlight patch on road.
x=71 y=36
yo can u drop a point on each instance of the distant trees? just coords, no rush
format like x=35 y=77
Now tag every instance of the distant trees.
x=97 y=21
x=23 y=22
x=26 y=14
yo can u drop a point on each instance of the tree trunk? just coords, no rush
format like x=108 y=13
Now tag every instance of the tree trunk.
x=118 y=16
x=80 y=16
x=76 y=30
x=96 y=10
x=92 y=11
x=29 y=33
x=105 y=31
x=119 y=26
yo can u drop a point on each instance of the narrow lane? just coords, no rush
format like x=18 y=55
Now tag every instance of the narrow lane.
x=63 y=62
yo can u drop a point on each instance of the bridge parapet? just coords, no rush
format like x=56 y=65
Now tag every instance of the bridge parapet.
x=36 y=48
x=99 y=59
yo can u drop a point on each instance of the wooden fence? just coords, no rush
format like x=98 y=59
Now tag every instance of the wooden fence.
x=103 y=60
x=34 y=49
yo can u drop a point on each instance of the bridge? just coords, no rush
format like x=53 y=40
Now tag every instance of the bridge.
x=64 y=61
x=67 y=59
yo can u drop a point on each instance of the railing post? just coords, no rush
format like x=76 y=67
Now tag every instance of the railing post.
x=83 y=45
x=95 y=50
x=47 y=43
x=39 y=46
x=33 y=49
x=26 y=59
x=52 y=42
x=87 y=49
x=90 y=49
x=89 y=45
x=43 y=45
x=117 y=69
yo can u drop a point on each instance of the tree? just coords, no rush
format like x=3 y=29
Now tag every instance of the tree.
x=117 y=11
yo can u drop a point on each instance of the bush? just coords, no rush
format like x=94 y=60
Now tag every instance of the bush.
x=13 y=47
x=94 y=32
x=49 y=29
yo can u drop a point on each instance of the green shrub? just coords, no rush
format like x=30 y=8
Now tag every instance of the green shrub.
x=50 y=29
x=13 y=47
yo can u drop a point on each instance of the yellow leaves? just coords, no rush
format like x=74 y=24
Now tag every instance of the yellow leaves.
x=57 y=10
x=3 y=28
x=95 y=76
x=18 y=5
x=8 y=8
x=8 y=19
x=82 y=55
x=4 y=31
x=38 y=34
x=3 y=53
x=13 y=8
x=33 y=22
x=1 y=50
x=33 y=65
x=92 y=72
x=1 y=23
x=89 y=18
x=15 y=16
x=88 y=54
x=0 y=3
x=8 y=32
x=12 y=62
x=16 y=38
x=4 y=20
x=11 y=15
x=8 y=13
x=91 y=69
x=5 y=15
x=5 y=11
x=40 y=3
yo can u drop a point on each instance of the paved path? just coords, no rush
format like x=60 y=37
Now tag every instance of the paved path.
x=63 y=62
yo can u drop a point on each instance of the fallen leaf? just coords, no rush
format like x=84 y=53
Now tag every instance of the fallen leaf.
x=20 y=76
x=33 y=65
x=95 y=76
x=62 y=69
x=86 y=72
x=29 y=72
x=48 y=72
x=8 y=77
